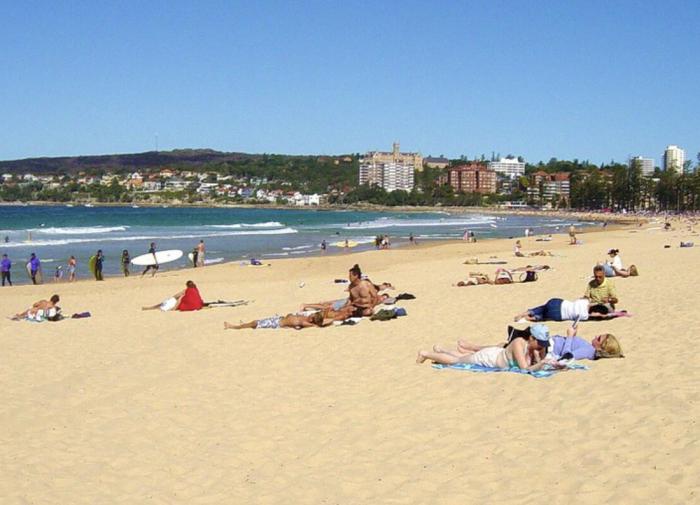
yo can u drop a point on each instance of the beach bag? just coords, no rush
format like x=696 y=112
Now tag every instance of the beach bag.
x=634 y=272
x=503 y=276
x=530 y=276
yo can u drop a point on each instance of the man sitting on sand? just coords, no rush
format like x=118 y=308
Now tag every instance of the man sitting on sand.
x=42 y=305
x=295 y=321
x=363 y=294
x=186 y=300
x=601 y=290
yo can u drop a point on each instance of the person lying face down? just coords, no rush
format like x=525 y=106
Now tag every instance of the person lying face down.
x=556 y=309
x=295 y=321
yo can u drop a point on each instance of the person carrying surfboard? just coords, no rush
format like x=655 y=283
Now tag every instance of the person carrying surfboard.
x=154 y=267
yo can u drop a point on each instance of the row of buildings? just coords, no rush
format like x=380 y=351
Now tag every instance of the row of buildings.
x=395 y=171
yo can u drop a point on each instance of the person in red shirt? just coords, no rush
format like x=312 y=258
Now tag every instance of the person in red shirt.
x=186 y=300
x=191 y=299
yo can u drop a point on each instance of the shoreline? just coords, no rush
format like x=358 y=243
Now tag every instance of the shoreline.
x=581 y=215
x=423 y=244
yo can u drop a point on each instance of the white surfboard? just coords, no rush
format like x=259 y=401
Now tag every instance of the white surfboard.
x=162 y=256
x=212 y=261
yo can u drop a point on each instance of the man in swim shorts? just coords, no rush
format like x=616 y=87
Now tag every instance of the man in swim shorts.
x=295 y=321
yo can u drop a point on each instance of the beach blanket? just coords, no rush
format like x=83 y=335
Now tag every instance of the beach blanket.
x=539 y=374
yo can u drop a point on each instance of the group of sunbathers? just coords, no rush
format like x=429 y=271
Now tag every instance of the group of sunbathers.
x=363 y=297
x=533 y=348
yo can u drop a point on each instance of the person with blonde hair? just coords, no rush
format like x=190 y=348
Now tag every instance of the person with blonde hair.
x=605 y=345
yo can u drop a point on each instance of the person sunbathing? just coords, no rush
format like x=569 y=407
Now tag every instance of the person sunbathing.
x=570 y=346
x=516 y=354
x=556 y=309
x=42 y=305
x=474 y=279
x=295 y=321
x=186 y=300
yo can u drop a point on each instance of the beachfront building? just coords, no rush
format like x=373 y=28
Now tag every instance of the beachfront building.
x=436 y=162
x=646 y=165
x=472 y=178
x=391 y=171
x=674 y=158
x=509 y=167
x=550 y=187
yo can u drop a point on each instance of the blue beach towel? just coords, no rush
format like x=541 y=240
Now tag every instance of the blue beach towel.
x=539 y=374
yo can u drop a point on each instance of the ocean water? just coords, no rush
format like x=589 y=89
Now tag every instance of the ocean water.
x=231 y=234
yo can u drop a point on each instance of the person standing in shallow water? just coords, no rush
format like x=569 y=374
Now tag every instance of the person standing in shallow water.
x=72 y=264
x=5 y=267
x=99 y=261
x=201 y=250
x=34 y=266
x=125 y=260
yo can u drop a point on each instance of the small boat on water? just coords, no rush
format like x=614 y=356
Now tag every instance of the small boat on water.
x=134 y=206
x=88 y=205
x=69 y=205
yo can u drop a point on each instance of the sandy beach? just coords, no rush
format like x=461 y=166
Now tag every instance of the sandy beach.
x=134 y=406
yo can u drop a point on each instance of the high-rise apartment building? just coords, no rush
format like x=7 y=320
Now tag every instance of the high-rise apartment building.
x=508 y=167
x=645 y=164
x=472 y=178
x=390 y=171
x=674 y=157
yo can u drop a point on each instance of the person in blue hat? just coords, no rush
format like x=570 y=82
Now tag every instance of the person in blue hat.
x=521 y=352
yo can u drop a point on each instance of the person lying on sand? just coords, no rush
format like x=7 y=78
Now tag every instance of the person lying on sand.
x=516 y=354
x=43 y=305
x=186 y=300
x=474 y=279
x=556 y=309
x=295 y=321
x=570 y=346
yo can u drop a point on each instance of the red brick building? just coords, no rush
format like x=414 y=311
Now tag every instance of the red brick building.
x=472 y=178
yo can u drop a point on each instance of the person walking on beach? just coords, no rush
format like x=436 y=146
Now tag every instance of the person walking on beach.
x=195 y=256
x=99 y=260
x=154 y=267
x=5 y=267
x=34 y=265
x=201 y=250
x=125 y=260
x=72 y=263
x=323 y=245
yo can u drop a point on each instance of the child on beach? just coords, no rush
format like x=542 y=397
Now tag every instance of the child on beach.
x=125 y=260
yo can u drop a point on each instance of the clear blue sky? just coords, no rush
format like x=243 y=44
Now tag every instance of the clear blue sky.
x=596 y=80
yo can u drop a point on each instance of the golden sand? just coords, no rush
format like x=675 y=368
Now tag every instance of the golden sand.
x=149 y=407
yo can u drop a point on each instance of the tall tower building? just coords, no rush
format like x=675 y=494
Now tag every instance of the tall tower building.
x=674 y=157
x=390 y=170
x=645 y=164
